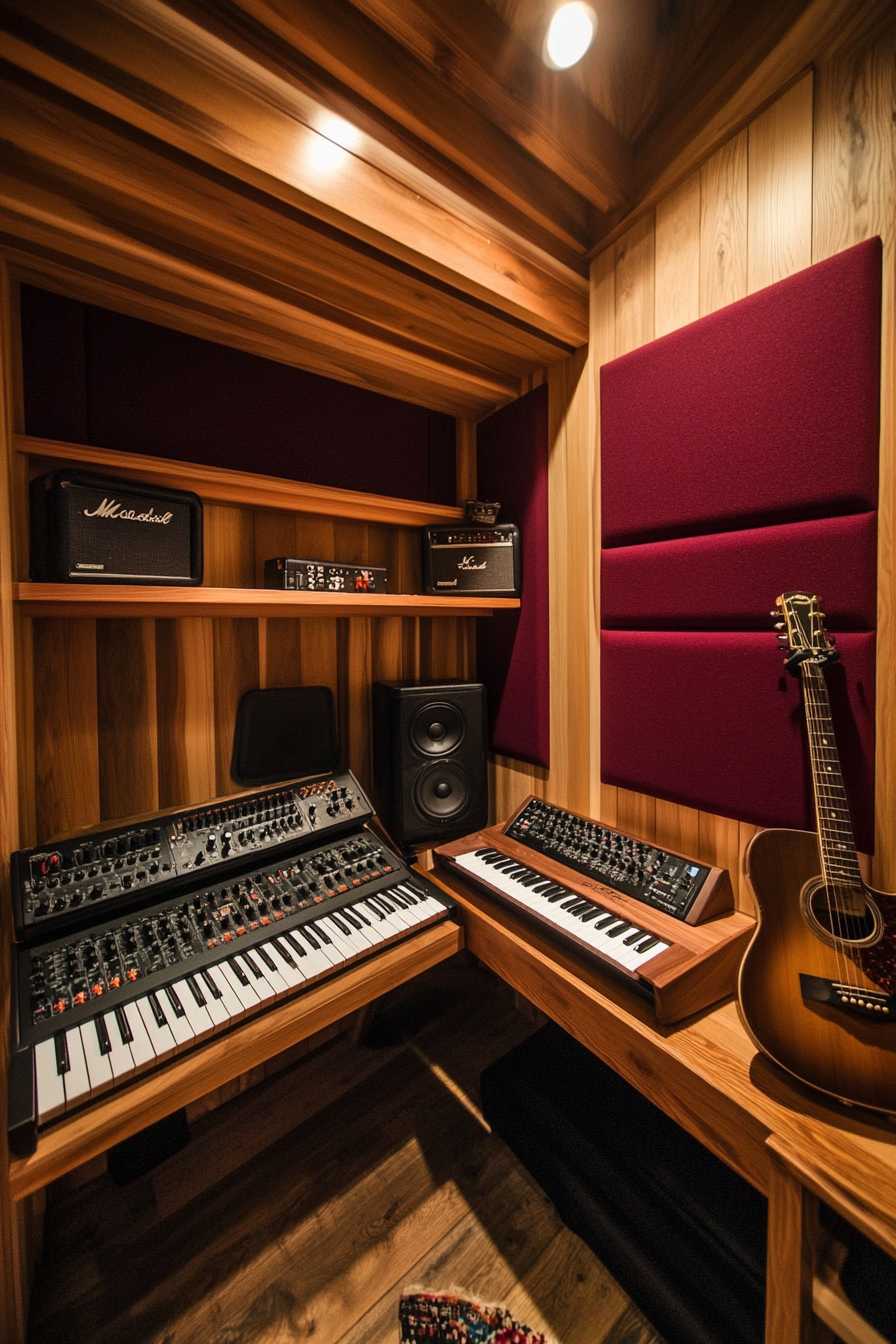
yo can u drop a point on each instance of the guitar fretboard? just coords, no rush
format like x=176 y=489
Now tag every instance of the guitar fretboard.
x=840 y=864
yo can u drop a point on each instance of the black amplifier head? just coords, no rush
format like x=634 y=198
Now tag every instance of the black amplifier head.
x=464 y=558
x=93 y=529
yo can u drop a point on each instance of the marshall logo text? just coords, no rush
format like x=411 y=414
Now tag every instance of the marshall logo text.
x=112 y=509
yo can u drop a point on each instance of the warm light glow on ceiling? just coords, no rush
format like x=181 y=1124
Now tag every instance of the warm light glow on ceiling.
x=334 y=140
x=570 y=35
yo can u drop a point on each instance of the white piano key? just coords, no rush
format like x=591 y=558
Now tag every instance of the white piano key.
x=266 y=992
x=76 y=1079
x=214 y=1005
x=426 y=902
x=162 y=1041
x=370 y=928
x=198 y=1016
x=120 y=1057
x=244 y=992
x=176 y=1017
x=50 y=1082
x=326 y=950
x=268 y=967
x=287 y=962
x=395 y=914
x=389 y=919
x=315 y=966
x=231 y=1004
x=612 y=949
x=140 y=1045
x=349 y=948
x=99 y=1070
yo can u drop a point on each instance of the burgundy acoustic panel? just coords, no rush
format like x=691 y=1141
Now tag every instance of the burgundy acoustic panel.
x=738 y=461
x=513 y=648
x=729 y=580
x=764 y=412
x=712 y=720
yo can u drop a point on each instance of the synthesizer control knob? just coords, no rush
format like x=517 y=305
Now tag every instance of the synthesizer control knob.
x=211 y=843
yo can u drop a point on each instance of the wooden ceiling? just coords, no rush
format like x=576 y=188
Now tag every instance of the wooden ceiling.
x=397 y=193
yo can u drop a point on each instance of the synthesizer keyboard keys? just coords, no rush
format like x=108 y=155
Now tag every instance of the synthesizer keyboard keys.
x=50 y=1081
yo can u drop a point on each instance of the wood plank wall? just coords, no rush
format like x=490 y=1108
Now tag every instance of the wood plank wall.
x=136 y=715
x=811 y=175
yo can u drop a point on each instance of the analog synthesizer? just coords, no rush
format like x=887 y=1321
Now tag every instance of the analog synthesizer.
x=138 y=942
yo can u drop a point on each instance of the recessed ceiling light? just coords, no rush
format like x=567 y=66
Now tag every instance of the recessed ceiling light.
x=569 y=36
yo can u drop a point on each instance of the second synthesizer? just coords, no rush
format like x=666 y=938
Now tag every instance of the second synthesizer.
x=101 y=996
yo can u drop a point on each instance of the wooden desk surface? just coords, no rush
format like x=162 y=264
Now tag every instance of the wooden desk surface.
x=704 y=1072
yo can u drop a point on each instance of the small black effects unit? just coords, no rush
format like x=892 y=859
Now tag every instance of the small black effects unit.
x=323 y=576
x=458 y=558
x=93 y=529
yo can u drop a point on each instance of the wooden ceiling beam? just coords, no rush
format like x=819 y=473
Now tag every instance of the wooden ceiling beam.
x=467 y=47
x=192 y=92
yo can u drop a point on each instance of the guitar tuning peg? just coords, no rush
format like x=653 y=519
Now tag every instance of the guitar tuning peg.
x=782 y=639
x=779 y=625
x=774 y=613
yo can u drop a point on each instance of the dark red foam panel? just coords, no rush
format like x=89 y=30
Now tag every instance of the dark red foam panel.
x=729 y=580
x=713 y=721
x=764 y=412
x=513 y=649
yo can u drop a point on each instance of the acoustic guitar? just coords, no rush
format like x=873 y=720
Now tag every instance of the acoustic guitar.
x=817 y=986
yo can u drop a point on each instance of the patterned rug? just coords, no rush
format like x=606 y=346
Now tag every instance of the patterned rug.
x=446 y=1318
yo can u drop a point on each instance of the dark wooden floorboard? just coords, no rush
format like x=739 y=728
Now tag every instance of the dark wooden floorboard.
x=303 y=1207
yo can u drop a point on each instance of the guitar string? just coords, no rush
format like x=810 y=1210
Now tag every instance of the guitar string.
x=836 y=841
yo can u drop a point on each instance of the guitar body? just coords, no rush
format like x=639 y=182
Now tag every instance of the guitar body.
x=850 y=1055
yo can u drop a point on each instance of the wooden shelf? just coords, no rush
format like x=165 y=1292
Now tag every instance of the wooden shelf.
x=223 y=486
x=75 y=599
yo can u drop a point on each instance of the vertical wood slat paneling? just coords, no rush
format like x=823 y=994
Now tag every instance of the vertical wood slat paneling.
x=602 y=348
x=186 y=710
x=66 y=751
x=854 y=198
x=235 y=671
x=677 y=300
x=127 y=715
x=779 y=227
x=723 y=226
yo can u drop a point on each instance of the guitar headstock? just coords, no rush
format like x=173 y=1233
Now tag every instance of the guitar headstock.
x=803 y=630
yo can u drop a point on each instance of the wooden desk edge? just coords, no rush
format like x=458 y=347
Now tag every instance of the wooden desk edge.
x=106 y=1122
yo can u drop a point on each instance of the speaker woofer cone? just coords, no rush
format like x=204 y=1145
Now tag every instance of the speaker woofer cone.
x=441 y=791
x=437 y=728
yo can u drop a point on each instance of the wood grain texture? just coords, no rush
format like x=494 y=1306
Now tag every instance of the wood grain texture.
x=792 y=1228
x=236 y=670
x=723 y=226
x=66 y=751
x=126 y=713
x=855 y=198
x=678 y=257
x=779 y=158
x=185 y=681
x=246 y=488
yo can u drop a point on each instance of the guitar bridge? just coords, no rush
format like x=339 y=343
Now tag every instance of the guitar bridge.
x=871 y=1003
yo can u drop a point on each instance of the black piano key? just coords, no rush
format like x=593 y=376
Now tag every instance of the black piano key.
x=63 y=1063
x=295 y=944
x=124 y=1028
x=102 y=1036
x=631 y=938
x=401 y=901
x=350 y=917
x=360 y=915
x=285 y=952
x=266 y=958
x=322 y=935
x=381 y=904
x=176 y=1005
x=195 y=991
x=256 y=971
x=592 y=914
x=624 y=927
x=211 y=986
x=555 y=893
x=157 y=1010
x=309 y=937
x=238 y=972
x=647 y=944
x=341 y=925
x=605 y=921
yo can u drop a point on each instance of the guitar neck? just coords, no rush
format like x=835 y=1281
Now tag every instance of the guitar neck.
x=839 y=860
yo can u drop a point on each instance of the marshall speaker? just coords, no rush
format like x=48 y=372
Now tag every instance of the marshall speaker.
x=430 y=764
x=92 y=529
x=467 y=559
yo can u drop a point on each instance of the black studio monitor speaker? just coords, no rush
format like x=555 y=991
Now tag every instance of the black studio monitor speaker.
x=430 y=763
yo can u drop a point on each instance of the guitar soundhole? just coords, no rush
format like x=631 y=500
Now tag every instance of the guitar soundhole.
x=841 y=919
